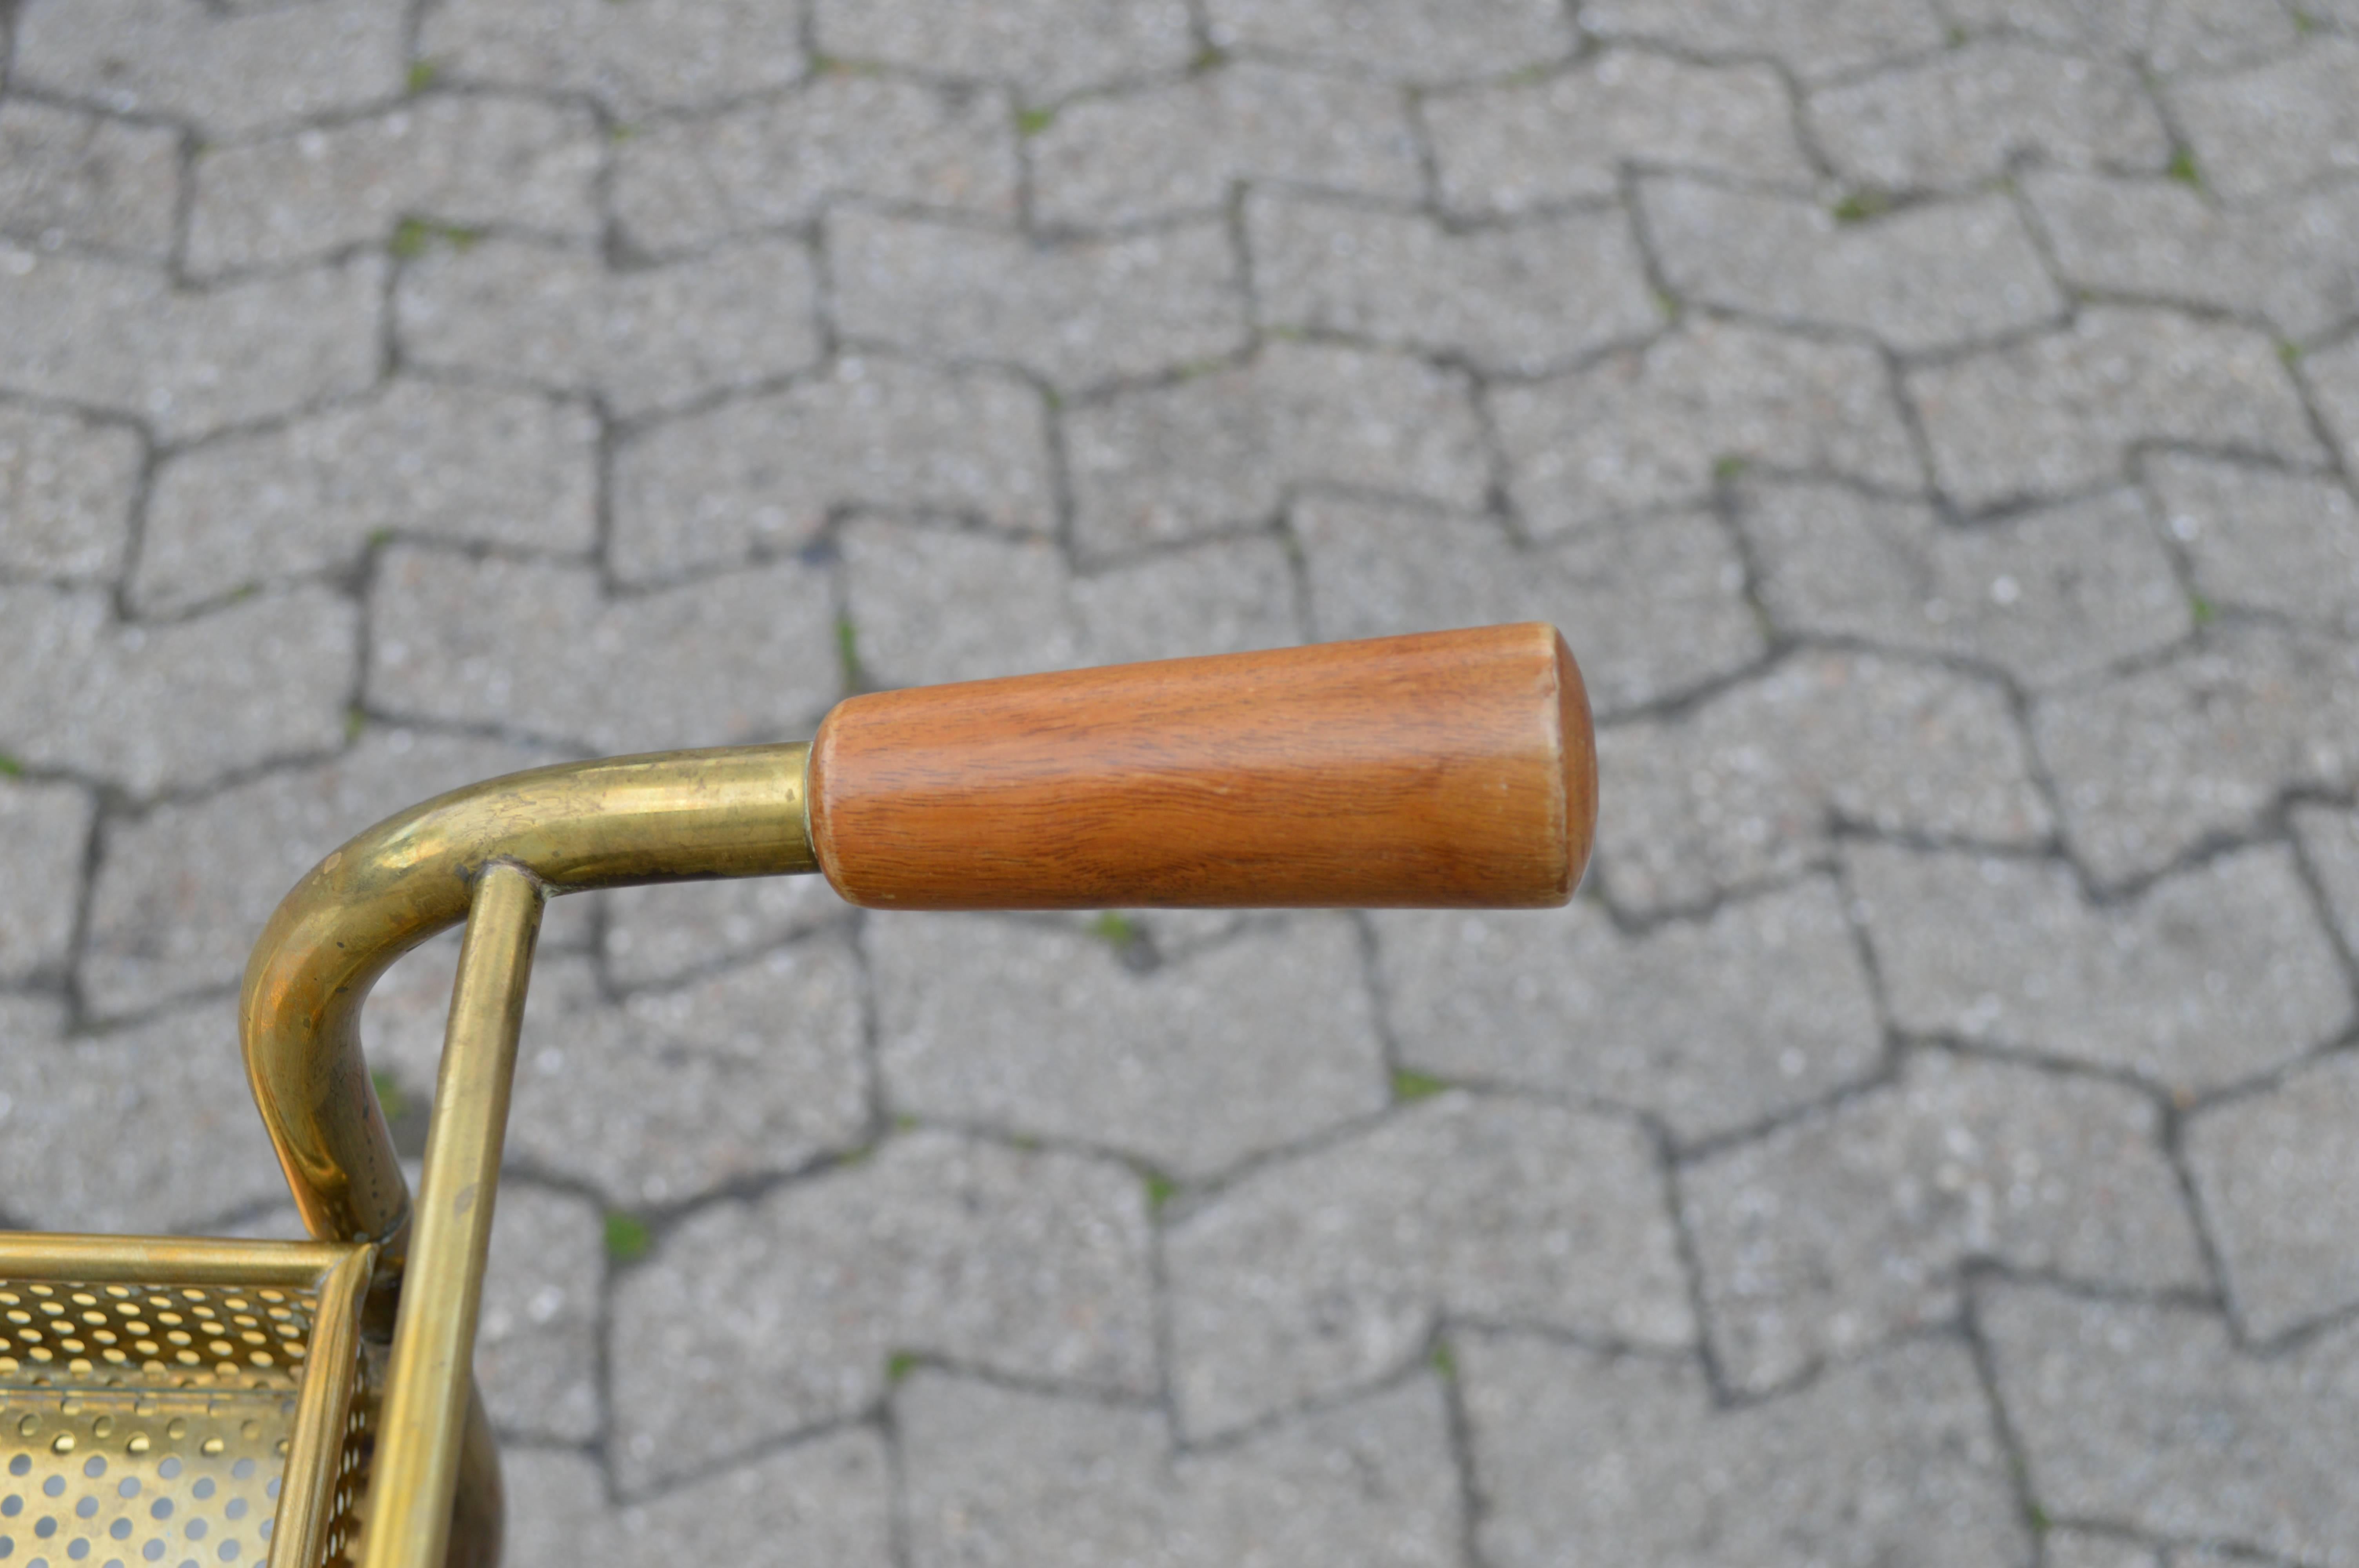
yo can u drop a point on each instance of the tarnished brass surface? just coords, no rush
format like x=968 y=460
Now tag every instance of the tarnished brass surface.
x=429 y=1394
x=162 y=1399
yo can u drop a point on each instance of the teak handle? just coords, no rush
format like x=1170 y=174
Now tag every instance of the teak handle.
x=1447 y=769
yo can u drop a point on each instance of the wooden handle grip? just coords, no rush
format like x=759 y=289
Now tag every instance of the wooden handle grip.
x=1447 y=769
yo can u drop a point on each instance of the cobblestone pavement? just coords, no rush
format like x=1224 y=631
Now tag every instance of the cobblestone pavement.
x=1933 y=1138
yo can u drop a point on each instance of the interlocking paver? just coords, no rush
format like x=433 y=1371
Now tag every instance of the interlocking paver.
x=1709 y=1025
x=1079 y=314
x=1041 y=1029
x=1970 y=115
x=2150 y=1416
x=145 y=1130
x=1746 y=787
x=2286 y=260
x=1050 y=46
x=748 y=656
x=1926 y=278
x=2195 y=36
x=121 y=336
x=66 y=489
x=2262 y=539
x=1329 y=1271
x=1006 y=1476
x=1376 y=569
x=2332 y=377
x=1408 y=41
x=44 y=834
x=1832 y=38
x=2330 y=845
x=2047 y=594
x=1221 y=597
x=169 y=706
x=931 y=605
x=2289 y=123
x=67 y=176
x=2150 y=764
x=2211 y=976
x=1502 y=150
x=513 y=469
x=2057 y=414
x=754 y=1320
x=1529 y=298
x=1892 y=1460
x=1841 y=1233
x=683 y=184
x=650 y=54
x=2119 y=30
x=226 y=72
x=643 y=340
x=2277 y=1172
x=667 y=931
x=1178 y=149
x=821 y=1504
x=1218 y=450
x=2087 y=1549
x=537 y=1340
x=183 y=890
x=465 y=160
x=765 y=472
x=1646 y=429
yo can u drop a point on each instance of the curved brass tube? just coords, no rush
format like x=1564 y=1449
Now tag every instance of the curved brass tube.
x=668 y=816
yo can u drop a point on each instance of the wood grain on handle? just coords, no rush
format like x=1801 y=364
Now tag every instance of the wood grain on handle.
x=1447 y=769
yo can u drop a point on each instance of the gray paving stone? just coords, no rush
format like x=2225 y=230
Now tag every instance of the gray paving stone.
x=170 y=706
x=1328 y=1271
x=2086 y=1549
x=537 y=1341
x=1407 y=40
x=1708 y=1024
x=1847 y=1231
x=1218 y=451
x=821 y=1504
x=1509 y=149
x=1646 y=429
x=1744 y=789
x=2211 y=976
x=71 y=178
x=1970 y=115
x=66 y=489
x=2210 y=35
x=765 y=472
x=183 y=891
x=1891 y=1461
x=227 y=73
x=2332 y=377
x=2329 y=844
x=994 y=1474
x=44 y=832
x=667 y=931
x=643 y=340
x=2287 y=259
x=87 y=330
x=1027 y=1265
x=146 y=1131
x=929 y=605
x=2148 y=1415
x=2262 y=539
x=2147 y=765
x=1078 y=314
x=680 y=184
x=1926 y=278
x=1225 y=596
x=2279 y=126
x=2275 y=1174
x=1041 y=1030
x=653 y=54
x=1835 y=38
x=2059 y=413
x=1526 y=299
x=2048 y=596
x=466 y=160
x=1177 y=149
x=1379 y=569
x=746 y=656
x=1048 y=48
x=474 y=465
